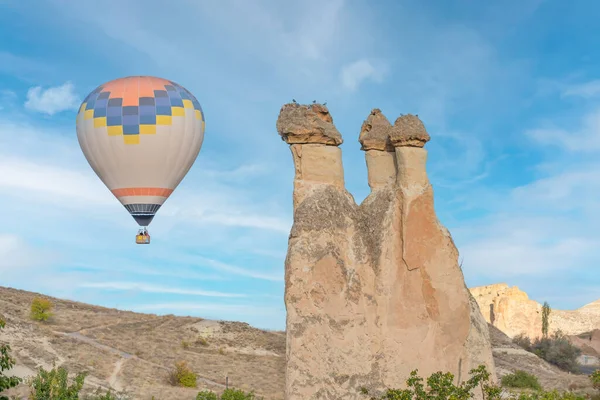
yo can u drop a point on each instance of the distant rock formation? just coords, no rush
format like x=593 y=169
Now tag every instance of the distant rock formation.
x=374 y=290
x=510 y=310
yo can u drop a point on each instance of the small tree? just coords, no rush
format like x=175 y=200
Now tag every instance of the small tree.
x=6 y=363
x=54 y=385
x=545 y=318
x=182 y=375
x=41 y=309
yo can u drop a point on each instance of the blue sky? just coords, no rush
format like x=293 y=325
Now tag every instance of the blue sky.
x=510 y=94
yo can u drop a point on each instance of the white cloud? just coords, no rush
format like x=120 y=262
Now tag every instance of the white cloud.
x=16 y=255
x=523 y=251
x=248 y=221
x=586 y=90
x=355 y=73
x=54 y=184
x=149 y=288
x=186 y=307
x=547 y=227
x=42 y=165
x=52 y=100
x=586 y=138
x=194 y=259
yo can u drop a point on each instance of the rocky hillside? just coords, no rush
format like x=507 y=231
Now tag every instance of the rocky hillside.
x=134 y=352
x=509 y=357
x=510 y=310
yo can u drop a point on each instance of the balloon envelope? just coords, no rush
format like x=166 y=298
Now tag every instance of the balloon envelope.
x=141 y=135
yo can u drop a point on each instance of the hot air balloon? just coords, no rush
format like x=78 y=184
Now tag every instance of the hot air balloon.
x=141 y=135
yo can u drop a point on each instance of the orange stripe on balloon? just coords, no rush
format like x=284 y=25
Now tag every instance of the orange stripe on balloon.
x=146 y=88
x=142 y=191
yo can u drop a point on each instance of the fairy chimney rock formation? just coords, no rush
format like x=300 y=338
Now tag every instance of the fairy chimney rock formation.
x=372 y=291
x=313 y=139
x=374 y=138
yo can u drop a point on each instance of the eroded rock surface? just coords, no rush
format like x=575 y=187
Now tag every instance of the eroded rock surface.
x=307 y=124
x=374 y=290
x=512 y=311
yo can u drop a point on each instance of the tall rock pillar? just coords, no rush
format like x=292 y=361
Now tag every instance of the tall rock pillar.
x=371 y=291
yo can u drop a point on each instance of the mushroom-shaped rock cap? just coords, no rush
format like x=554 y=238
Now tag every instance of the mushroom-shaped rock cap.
x=307 y=124
x=409 y=131
x=375 y=132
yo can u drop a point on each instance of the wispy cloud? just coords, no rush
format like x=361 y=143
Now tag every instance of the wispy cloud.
x=62 y=185
x=355 y=73
x=585 y=138
x=190 y=257
x=586 y=90
x=16 y=255
x=189 y=307
x=149 y=288
x=52 y=100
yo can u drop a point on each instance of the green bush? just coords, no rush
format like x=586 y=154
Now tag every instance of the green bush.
x=41 y=309
x=440 y=386
x=523 y=341
x=595 y=378
x=6 y=363
x=228 y=394
x=236 y=394
x=182 y=375
x=555 y=349
x=54 y=385
x=521 y=379
x=207 y=395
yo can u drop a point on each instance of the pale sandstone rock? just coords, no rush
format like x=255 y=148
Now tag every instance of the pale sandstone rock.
x=372 y=291
x=510 y=310
x=307 y=124
x=375 y=132
x=380 y=155
x=408 y=130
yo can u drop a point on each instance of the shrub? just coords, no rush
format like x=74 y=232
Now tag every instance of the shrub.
x=228 y=394
x=185 y=344
x=182 y=375
x=40 y=309
x=237 y=394
x=595 y=378
x=440 y=386
x=207 y=395
x=521 y=379
x=522 y=341
x=6 y=363
x=202 y=341
x=555 y=349
x=558 y=350
x=54 y=385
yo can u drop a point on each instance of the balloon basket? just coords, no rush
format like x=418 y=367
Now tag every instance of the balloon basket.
x=142 y=237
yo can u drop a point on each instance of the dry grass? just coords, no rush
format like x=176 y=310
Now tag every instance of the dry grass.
x=142 y=349
x=149 y=343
